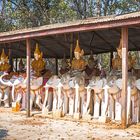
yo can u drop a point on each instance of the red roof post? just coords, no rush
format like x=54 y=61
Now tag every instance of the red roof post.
x=16 y=64
x=28 y=56
x=56 y=63
x=124 y=36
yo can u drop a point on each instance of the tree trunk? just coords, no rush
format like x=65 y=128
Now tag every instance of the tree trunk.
x=85 y=9
x=98 y=8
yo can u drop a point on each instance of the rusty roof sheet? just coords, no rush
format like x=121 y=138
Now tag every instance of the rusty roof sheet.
x=93 y=20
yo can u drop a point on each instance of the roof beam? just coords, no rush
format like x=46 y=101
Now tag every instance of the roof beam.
x=78 y=26
x=93 y=48
x=93 y=35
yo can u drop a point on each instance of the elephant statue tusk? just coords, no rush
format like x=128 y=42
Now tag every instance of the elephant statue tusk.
x=16 y=82
x=3 y=82
x=10 y=84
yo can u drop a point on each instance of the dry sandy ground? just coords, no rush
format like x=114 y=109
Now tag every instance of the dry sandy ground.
x=16 y=126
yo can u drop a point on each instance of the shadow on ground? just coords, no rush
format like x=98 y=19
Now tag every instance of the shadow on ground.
x=3 y=133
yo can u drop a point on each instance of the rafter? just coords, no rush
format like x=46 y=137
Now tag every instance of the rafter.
x=129 y=40
x=62 y=45
x=107 y=42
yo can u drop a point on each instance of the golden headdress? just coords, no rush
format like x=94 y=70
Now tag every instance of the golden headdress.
x=3 y=55
x=78 y=49
x=37 y=50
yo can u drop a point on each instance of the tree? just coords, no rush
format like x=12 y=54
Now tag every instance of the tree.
x=16 y=14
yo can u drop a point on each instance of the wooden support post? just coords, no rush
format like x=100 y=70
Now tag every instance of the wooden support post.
x=71 y=48
x=124 y=75
x=16 y=63
x=10 y=60
x=56 y=62
x=71 y=51
x=28 y=49
x=111 y=57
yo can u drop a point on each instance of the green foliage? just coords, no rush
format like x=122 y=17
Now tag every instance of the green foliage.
x=61 y=12
x=16 y=14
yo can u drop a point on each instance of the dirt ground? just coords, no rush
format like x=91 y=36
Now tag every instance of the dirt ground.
x=16 y=126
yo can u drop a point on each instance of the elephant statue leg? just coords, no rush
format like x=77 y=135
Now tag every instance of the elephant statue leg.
x=44 y=107
x=77 y=102
x=86 y=101
x=137 y=85
x=6 y=98
x=118 y=107
x=32 y=98
x=48 y=101
x=115 y=107
x=66 y=103
x=86 y=105
x=128 y=104
x=19 y=97
x=105 y=102
x=111 y=110
x=55 y=100
x=96 y=106
x=23 y=105
x=18 y=94
x=1 y=95
x=38 y=101
x=45 y=102
x=135 y=108
x=60 y=98
x=58 y=101
x=71 y=102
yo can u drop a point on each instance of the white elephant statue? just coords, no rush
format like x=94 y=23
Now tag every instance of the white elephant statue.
x=114 y=104
x=12 y=83
x=80 y=93
x=57 y=102
x=36 y=85
x=97 y=85
x=73 y=87
x=133 y=100
x=68 y=94
x=4 y=95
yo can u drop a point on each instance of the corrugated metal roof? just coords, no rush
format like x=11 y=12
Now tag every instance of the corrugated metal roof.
x=55 y=46
x=74 y=23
